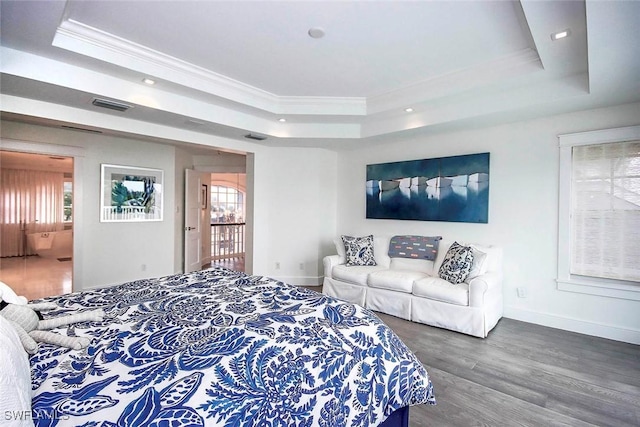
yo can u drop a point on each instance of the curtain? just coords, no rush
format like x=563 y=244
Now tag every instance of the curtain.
x=30 y=202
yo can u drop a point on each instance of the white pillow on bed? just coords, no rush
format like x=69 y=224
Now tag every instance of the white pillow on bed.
x=15 y=378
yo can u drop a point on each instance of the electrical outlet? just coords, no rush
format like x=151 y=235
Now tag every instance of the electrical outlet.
x=302 y=266
x=522 y=292
x=277 y=265
x=143 y=267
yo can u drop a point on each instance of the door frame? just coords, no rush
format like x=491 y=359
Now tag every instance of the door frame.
x=78 y=154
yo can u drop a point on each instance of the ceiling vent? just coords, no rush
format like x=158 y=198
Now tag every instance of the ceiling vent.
x=112 y=105
x=80 y=129
x=255 y=137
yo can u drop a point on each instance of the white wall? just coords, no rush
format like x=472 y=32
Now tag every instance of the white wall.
x=523 y=213
x=301 y=216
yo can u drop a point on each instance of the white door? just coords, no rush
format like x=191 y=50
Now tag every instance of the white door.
x=192 y=221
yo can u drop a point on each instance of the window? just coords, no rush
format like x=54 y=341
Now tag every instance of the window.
x=599 y=218
x=68 y=201
x=227 y=205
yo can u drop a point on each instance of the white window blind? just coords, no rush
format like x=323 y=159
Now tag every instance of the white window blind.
x=605 y=210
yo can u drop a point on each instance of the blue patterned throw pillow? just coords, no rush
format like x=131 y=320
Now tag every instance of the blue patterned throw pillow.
x=359 y=250
x=457 y=264
x=414 y=247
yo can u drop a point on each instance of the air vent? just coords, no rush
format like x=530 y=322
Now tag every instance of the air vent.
x=80 y=129
x=255 y=137
x=112 y=105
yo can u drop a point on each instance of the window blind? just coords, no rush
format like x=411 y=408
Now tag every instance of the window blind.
x=605 y=210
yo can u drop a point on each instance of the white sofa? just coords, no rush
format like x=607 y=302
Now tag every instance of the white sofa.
x=411 y=289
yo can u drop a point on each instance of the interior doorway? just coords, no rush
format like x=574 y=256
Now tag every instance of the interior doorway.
x=36 y=223
x=228 y=195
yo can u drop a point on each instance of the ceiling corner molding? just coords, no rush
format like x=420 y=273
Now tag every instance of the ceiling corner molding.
x=519 y=63
x=101 y=45
x=89 y=41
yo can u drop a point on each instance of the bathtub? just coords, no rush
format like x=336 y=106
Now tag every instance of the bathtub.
x=51 y=244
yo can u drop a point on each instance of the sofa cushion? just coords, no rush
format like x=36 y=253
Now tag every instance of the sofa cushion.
x=357 y=274
x=396 y=280
x=439 y=289
x=456 y=264
x=359 y=250
x=416 y=247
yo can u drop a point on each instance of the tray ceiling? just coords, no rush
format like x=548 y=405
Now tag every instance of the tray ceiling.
x=232 y=67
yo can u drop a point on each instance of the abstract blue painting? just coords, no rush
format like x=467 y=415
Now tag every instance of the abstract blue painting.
x=454 y=189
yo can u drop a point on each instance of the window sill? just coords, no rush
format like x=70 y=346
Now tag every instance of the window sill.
x=611 y=290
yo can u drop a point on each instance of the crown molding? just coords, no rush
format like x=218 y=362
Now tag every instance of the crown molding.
x=101 y=45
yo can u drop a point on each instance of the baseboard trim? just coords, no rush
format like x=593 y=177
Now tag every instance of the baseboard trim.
x=611 y=332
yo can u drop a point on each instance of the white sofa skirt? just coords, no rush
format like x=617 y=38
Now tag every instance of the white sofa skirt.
x=475 y=321
x=347 y=291
x=391 y=302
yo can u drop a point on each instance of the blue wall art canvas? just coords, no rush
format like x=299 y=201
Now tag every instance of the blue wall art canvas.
x=452 y=189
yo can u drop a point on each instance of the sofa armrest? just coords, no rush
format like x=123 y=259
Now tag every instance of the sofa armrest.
x=479 y=286
x=329 y=262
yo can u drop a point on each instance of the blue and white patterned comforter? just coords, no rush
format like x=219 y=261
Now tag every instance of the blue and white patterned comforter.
x=221 y=348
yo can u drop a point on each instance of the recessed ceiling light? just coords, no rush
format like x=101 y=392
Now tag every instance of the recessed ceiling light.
x=316 y=32
x=561 y=34
x=282 y=120
x=409 y=110
x=149 y=81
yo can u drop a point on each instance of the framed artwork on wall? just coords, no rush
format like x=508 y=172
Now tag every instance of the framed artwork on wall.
x=131 y=194
x=203 y=196
x=454 y=189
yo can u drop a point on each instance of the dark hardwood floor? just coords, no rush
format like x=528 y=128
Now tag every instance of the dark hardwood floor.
x=524 y=375
x=230 y=263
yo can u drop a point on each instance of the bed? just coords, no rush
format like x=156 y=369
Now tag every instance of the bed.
x=222 y=348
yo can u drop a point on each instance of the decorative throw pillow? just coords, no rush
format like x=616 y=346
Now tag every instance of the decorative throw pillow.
x=416 y=247
x=359 y=250
x=456 y=264
x=478 y=267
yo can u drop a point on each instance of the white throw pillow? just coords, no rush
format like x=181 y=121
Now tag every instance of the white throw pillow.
x=15 y=378
x=478 y=267
x=342 y=253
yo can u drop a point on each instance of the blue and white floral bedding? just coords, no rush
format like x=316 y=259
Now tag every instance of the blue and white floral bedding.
x=221 y=348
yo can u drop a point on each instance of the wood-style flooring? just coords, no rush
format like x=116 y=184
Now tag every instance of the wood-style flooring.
x=37 y=277
x=230 y=263
x=524 y=375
